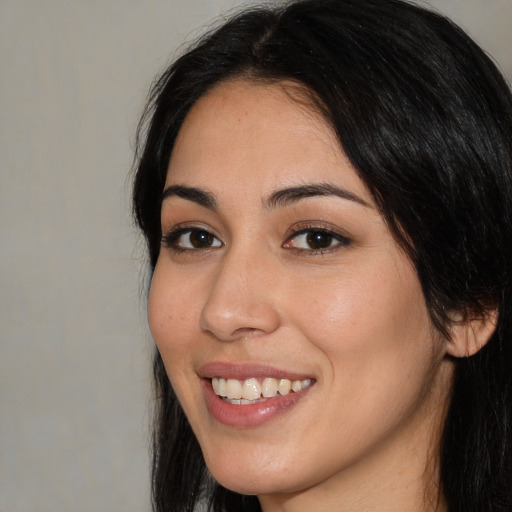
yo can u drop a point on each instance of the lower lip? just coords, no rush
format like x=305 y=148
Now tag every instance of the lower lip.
x=250 y=415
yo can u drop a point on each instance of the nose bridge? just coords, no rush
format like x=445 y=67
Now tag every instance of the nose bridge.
x=239 y=300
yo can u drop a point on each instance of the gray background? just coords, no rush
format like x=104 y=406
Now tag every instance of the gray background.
x=74 y=350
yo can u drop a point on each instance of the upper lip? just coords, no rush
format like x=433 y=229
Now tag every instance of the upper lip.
x=243 y=371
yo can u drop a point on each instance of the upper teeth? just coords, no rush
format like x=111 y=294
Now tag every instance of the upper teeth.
x=252 y=389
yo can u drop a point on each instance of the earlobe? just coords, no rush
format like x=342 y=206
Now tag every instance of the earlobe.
x=469 y=335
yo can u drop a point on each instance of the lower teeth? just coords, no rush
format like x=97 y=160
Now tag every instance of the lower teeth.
x=242 y=401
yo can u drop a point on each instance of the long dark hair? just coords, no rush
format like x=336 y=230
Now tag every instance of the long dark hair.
x=426 y=120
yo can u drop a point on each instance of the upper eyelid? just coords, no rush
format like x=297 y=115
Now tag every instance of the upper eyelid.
x=181 y=229
x=171 y=237
x=342 y=239
x=323 y=226
x=338 y=236
x=189 y=226
x=315 y=229
x=293 y=231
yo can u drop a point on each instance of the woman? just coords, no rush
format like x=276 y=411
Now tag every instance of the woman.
x=325 y=191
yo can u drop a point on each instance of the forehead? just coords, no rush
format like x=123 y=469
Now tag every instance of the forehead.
x=248 y=134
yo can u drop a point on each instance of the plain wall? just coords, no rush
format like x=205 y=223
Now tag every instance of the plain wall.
x=74 y=348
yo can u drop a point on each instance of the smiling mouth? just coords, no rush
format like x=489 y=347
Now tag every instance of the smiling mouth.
x=253 y=390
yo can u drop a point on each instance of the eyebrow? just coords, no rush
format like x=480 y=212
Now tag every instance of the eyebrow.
x=290 y=195
x=194 y=194
x=278 y=199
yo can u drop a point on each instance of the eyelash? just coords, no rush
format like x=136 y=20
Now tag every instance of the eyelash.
x=339 y=239
x=171 y=240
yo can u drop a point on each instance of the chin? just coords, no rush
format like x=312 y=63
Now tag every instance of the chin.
x=254 y=486
x=254 y=478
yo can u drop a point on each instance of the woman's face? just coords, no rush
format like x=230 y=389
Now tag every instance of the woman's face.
x=277 y=270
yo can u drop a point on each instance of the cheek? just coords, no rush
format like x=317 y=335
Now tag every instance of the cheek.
x=372 y=329
x=375 y=334
x=171 y=326
x=356 y=306
x=169 y=315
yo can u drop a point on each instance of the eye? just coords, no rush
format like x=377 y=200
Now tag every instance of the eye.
x=315 y=240
x=191 y=239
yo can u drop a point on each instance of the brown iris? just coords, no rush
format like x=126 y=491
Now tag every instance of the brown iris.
x=201 y=239
x=319 y=240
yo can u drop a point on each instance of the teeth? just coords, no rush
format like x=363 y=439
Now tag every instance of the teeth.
x=284 y=386
x=233 y=389
x=250 y=391
x=269 y=387
x=222 y=387
x=306 y=383
x=296 y=385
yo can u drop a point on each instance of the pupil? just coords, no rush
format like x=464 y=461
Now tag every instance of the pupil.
x=200 y=239
x=319 y=240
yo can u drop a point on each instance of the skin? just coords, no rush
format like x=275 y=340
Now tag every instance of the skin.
x=366 y=435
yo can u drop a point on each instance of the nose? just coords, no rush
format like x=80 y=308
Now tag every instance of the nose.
x=240 y=301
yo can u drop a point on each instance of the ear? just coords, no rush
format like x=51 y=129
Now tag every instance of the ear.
x=468 y=335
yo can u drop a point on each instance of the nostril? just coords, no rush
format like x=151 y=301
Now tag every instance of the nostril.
x=241 y=321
